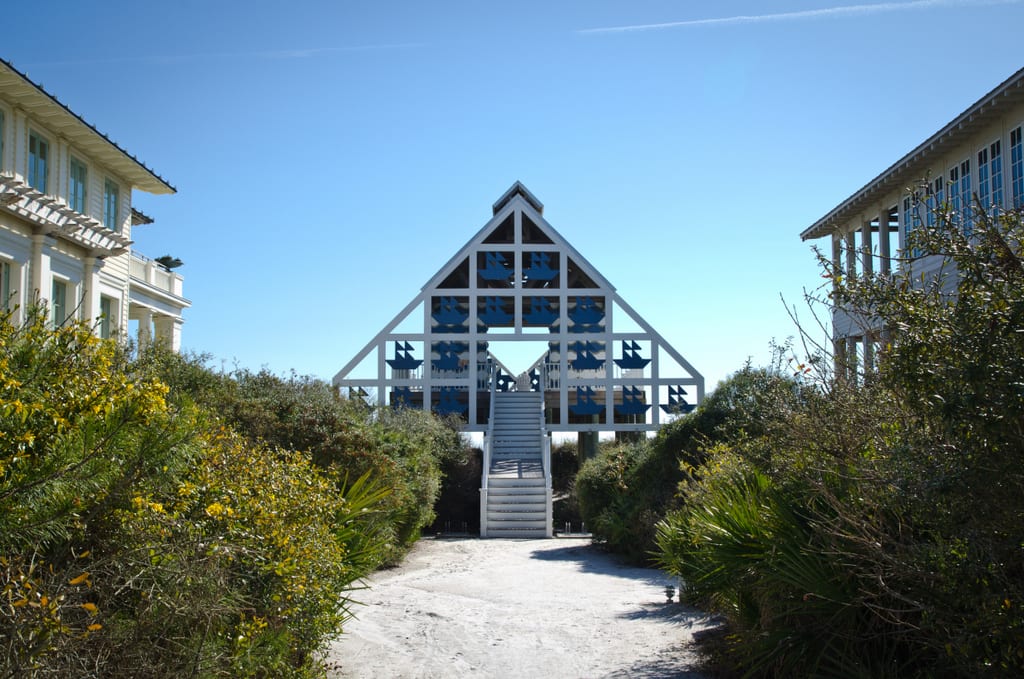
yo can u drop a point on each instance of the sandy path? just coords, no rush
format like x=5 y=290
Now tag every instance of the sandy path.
x=516 y=608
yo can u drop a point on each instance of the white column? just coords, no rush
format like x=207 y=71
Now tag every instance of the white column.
x=91 y=292
x=884 y=251
x=866 y=247
x=168 y=332
x=145 y=337
x=850 y=245
x=39 y=270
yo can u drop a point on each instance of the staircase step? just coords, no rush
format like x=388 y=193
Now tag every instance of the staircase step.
x=507 y=503
x=494 y=481
x=507 y=515
x=498 y=525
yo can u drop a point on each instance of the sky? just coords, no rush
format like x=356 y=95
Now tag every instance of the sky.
x=329 y=157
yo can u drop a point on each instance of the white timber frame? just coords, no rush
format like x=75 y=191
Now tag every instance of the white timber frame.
x=495 y=290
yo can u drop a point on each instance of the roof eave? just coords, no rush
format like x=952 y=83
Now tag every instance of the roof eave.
x=979 y=113
x=34 y=98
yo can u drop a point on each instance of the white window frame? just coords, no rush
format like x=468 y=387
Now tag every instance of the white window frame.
x=32 y=170
x=67 y=286
x=75 y=202
x=112 y=218
x=108 y=319
x=3 y=137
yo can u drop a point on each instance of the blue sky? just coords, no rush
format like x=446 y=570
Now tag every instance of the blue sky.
x=331 y=156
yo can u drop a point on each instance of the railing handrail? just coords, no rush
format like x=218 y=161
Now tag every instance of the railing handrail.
x=489 y=435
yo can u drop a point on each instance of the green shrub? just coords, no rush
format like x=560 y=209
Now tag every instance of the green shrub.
x=403 y=449
x=876 y=532
x=139 y=538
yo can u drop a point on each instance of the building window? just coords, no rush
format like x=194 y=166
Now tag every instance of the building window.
x=5 y=286
x=1017 y=167
x=990 y=176
x=58 y=303
x=911 y=219
x=111 y=205
x=965 y=190
x=106 y=317
x=935 y=200
x=76 y=185
x=996 y=162
x=38 y=152
x=954 y=189
x=3 y=129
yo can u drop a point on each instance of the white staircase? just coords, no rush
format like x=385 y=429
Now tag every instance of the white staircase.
x=516 y=494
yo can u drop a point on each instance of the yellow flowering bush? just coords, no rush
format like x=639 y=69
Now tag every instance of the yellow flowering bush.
x=139 y=538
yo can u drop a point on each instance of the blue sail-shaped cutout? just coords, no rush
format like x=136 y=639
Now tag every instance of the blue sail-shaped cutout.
x=631 y=359
x=676 y=402
x=585 y=358
x=540 y=312
x=539 y=269
x=586 y=312
x=403 y=359
x=450 y=313
x=632 y=402
x=585 y=404
x=494 y=268
x=493 y=313
x=401 y=397
x=448 y=402
x=449 y=352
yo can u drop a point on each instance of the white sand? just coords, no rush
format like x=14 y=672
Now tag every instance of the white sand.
x=516 y=608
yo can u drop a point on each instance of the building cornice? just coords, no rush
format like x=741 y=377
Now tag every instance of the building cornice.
x=910 y=169
x=21 y=92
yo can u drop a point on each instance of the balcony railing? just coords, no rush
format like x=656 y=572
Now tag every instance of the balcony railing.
x=144 y=269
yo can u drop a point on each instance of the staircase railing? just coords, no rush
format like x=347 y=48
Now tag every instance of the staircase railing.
x=488 y=450
x=545 y=446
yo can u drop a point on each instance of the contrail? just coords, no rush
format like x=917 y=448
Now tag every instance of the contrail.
x=825 y=13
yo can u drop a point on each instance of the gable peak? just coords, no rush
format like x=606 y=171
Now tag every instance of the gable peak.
x=518 y=189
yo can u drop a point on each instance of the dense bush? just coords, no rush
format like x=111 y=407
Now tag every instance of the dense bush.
x=161 y=519
x=628 y=488
x=881 y=535
x=403 y=449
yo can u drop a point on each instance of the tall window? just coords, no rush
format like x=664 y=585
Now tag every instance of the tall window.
x=111 y=205
x=911 y=218
x=1017 y=167
x=58 y=303
x=5 y=286
x=76 y=185
x=984 y=187
x=960 y=193
x=935 y=200
x=2 y=130
x=996 y=161
x=106 y=316
x=38 y=152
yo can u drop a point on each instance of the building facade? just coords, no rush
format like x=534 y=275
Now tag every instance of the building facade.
x=66 y=221
x=974 y=162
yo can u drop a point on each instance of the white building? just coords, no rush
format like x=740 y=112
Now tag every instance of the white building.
x=592 y=364
x=976 y=159
x=66 y=221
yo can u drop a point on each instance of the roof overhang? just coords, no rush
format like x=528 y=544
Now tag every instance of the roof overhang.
x=910 y=169
x=19 y=91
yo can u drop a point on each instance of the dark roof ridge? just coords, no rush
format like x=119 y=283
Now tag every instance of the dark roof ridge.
x=87 y=124
x=818 y=228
